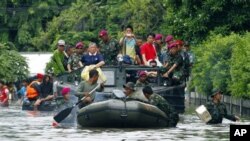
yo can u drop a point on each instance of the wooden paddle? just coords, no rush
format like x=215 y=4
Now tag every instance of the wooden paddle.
x=64 y=113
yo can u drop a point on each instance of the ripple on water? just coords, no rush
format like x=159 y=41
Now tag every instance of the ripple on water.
x=17 y=125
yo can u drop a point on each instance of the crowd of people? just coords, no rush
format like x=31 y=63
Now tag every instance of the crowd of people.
x=172 y=56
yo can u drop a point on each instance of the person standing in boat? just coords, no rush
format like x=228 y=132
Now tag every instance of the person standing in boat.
x=217 y=109
x=108 y=47
x=86 y=86
x=34 y=90
x=4 y=94
x=131 y=92
x=162 y=104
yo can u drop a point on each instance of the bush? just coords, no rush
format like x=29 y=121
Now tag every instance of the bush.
x=222 y=62
x=13 y=66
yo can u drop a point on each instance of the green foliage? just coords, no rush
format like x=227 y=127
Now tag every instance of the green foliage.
x=26 y=23
x=21 y=20
x=240 y=67
x=13 y=66
x=223 y=62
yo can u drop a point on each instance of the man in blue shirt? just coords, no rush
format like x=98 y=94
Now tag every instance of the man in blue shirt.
x=92 y=60
x=93 y=57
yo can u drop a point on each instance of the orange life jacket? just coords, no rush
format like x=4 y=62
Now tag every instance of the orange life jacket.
x=32 y=93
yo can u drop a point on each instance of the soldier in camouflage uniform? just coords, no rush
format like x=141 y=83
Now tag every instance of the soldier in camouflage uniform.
x=188 y=57
x=218 y=110
x=74 y=61
x=174 y=65
x=162 y=104
x=109 y=48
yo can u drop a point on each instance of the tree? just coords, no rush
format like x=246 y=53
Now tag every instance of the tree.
x=13 y=66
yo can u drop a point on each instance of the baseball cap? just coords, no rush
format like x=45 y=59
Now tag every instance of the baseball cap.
x=172 y=45
x=169 y=38
x=103 y=32
x=142 y=73
x=79 y=45
x=39 y=76
x=61 y=43
x=158 y=37
x=65 y=90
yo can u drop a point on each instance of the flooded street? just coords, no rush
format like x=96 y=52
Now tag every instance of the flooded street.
x=18 y=125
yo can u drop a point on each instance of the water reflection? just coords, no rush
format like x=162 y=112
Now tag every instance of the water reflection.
x=17 y=125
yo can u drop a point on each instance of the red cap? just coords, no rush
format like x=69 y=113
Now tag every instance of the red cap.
x=169 y=38
x=172 y=45
x=158 y=37
x=65 y=90
x=79 y=45
x=179 y=42
x=103 y=33
x=142 y=73
x=39 y=76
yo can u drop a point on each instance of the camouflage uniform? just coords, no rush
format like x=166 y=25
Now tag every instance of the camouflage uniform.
x=110 y=51
x=177 y=59
x=186 y=64
x=188 y=60
x=218 y=111
x=74 y=61
x=163 y=105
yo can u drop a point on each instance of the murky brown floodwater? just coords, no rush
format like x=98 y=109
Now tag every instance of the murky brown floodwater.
x=18 y=125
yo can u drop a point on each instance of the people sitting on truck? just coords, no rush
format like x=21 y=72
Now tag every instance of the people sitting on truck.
x=74 y=61
x=142 y=80
x=55 y=66
x=85 y=87
x=109 y=48
x=188 y=58
x=158 y=45
x=148 y=51
x=138 y=58
x=92 y=60
x=128 y=42
x=173 y=66
x=162 y=104
x=152 y=73
x=132 y=93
